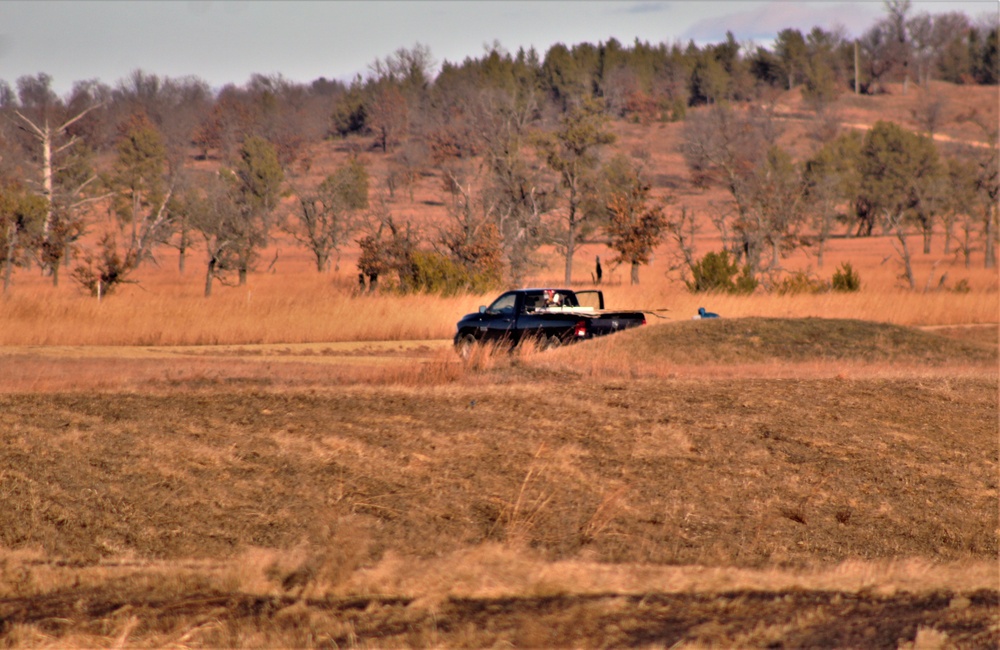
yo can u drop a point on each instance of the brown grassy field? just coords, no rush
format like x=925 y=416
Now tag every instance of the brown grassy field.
x=288 y=464
x=744 y=482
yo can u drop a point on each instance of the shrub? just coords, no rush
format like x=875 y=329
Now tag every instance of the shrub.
x=102 y=272
x=673 y=110
x=846 y=278
x=718 y=272
x=801 y=282
x=436 y=273
x=962 y=286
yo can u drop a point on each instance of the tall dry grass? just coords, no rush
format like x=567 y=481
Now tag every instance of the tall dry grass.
x=310 y=309
x=894 y=306
x=410 y=602
x=271 y=309
x=295 y=304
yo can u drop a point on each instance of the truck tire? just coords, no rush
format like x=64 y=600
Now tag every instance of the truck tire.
x=465 y=345
x=552 y=342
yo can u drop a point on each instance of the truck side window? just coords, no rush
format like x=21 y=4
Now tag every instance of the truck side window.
x=503 y=305
x=533 y=303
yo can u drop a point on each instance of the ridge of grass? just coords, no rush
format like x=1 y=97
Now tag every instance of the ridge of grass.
x=756 y=340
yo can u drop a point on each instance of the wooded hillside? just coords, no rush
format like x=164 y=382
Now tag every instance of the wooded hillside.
x=451 y=178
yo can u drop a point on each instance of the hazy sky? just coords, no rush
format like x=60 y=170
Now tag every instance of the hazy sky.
x=227 y=41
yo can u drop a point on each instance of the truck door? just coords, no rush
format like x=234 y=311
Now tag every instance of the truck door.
x=591 y=298
x=502 y=319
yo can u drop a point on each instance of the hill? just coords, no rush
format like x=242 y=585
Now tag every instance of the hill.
x=793 y=340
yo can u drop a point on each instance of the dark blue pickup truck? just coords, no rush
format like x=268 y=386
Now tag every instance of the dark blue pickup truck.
x=550 y=317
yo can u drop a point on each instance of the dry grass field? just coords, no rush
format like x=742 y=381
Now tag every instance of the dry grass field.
x=287 y=464
x=744 y=482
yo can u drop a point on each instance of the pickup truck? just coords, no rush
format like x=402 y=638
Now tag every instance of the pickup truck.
x=550 y=317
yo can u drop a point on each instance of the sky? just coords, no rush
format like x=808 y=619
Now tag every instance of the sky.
x=227 y=41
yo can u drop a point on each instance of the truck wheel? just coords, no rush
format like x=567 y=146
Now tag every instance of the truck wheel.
x=465 y=345
x=552 y=343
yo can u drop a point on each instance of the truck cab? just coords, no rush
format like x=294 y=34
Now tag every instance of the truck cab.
x=551 y=317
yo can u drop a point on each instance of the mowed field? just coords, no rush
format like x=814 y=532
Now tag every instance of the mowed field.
x=287 y=464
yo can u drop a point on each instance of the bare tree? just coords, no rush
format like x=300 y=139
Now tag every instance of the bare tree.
x=230 y=119
x=877 y=46
x=898 y=25
x=406 y=166
x=961 y=207
x=387 y=115
x=682 y=228
x=411 y=68
x=173 y=106
x=922 y=45
x=930 y=110
x=395 y=88
x=510 y=185
x=47 y=121
x=327 y=215
x=572 y=152
x=736 y=148
x=988 y=192
x=951 y=59
x=472 y=237
x=213 y=208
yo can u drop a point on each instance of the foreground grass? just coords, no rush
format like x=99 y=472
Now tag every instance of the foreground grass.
x=498 y=596
x=456 y=514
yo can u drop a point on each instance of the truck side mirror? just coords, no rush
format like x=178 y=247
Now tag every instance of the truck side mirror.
x=482 y=309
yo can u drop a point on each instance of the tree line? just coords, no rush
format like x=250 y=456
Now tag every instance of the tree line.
x=520 y=145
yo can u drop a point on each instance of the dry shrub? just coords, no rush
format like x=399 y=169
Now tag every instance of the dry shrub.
x=520 y=516
x=928 y=639
x=320 y=565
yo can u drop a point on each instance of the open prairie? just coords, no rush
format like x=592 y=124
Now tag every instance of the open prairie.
x=288 y=464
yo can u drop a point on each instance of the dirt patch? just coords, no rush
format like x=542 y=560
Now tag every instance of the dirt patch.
x=67 y=368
